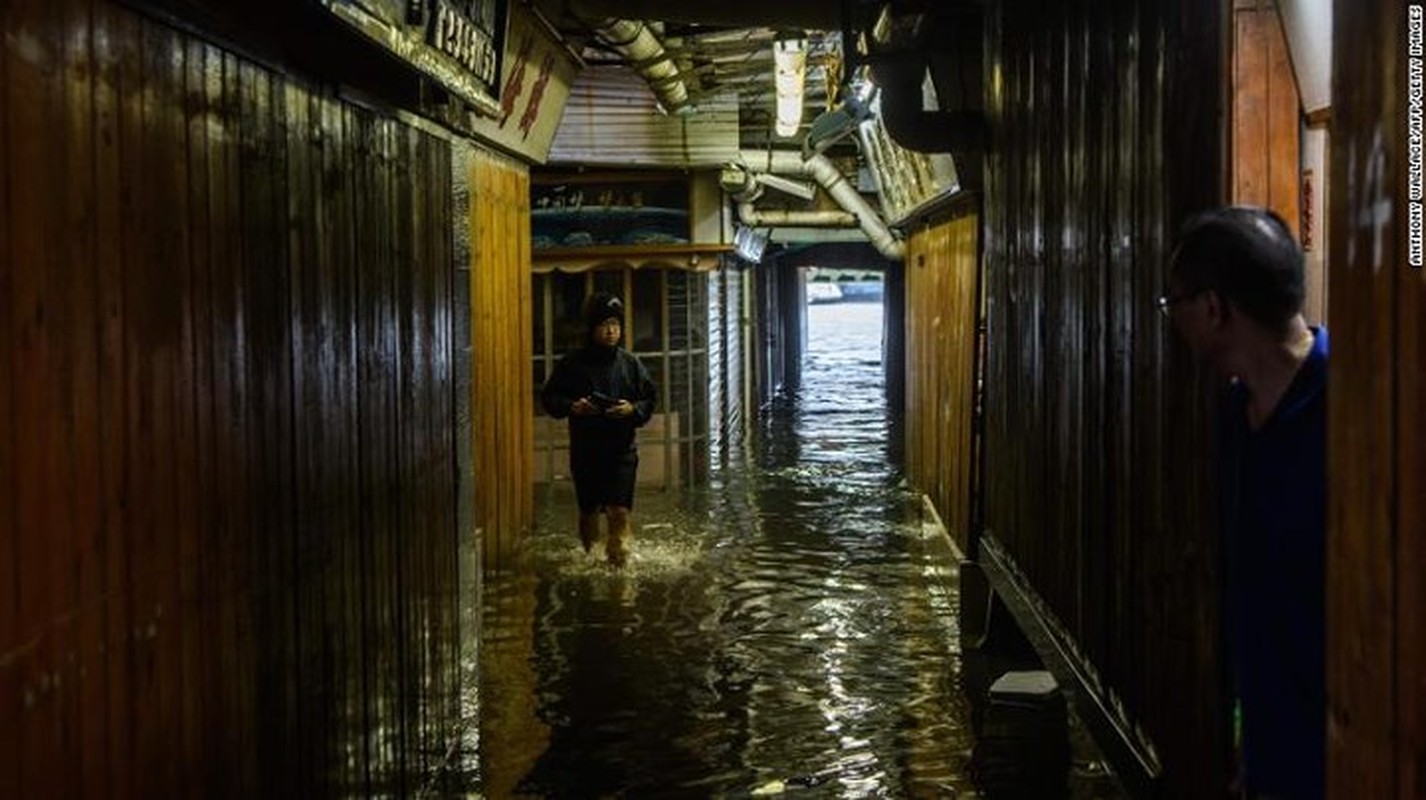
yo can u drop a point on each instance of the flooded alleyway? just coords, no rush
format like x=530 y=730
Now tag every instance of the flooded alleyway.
x=793 y=625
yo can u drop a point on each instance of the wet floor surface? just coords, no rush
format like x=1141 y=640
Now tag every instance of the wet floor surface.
x=789 y=628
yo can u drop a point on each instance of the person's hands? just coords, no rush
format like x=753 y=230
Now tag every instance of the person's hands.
x=619 y=410
x=583 y=408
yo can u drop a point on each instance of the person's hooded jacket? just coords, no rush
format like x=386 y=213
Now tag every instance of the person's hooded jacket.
x=600 y=372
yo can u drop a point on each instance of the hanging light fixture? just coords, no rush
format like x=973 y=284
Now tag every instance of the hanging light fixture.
x=789 y=58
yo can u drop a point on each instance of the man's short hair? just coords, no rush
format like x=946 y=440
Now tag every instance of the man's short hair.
x=1249 y=257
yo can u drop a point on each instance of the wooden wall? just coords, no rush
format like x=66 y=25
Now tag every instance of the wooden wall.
x=502 y=327
x=1105 y=133
x=1376 y=554
x=942 y=284
x=1267 y=115
x=227 y=513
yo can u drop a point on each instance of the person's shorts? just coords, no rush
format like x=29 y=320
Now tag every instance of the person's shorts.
x=600 y=482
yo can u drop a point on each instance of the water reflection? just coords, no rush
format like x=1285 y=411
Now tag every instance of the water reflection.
x=791 y=626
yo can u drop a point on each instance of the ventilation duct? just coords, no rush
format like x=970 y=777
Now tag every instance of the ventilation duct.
x=637 y=44
x=927 y=66
x=822 y=170
x=855 y=210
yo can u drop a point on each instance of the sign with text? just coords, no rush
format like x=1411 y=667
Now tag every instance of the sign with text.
x=537 y=75
x=458 y=43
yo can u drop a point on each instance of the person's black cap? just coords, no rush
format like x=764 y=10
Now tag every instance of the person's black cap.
x=602 y=306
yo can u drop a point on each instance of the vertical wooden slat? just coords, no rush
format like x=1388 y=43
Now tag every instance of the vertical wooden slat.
x=269 y=377
x=11 y=703
x=350 y=162
x=65 y=230
x=305 y=310
x=112 y=40
x=196 y=517
x=30 y=72
x=335 y=242
x=138 y=517
x=1251 y=111
x=178 y=617
x=84 y=668
x=198 y=589
x=385 y=685
x=229 y=672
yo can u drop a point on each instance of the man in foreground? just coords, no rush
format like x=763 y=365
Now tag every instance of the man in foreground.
x=1235 y=295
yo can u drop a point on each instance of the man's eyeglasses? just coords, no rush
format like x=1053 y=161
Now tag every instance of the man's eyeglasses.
x=1166 y=302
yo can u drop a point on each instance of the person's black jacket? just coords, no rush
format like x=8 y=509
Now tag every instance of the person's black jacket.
x=609 y=371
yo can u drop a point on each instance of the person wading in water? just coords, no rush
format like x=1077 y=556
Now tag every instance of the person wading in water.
x=607 y=395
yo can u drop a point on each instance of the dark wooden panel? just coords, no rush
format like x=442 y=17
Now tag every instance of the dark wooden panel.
x=228 y=551
x=36 y=315
x=82 y=670
x=1375 y=727
x=195 y=422
x=1096 y=424
x=11 y=700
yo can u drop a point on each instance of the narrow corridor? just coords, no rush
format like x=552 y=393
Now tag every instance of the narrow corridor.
x=793 y=624
x=790 y=627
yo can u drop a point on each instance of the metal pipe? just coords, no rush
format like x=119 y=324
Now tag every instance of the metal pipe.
x=641 y=48
x=857 y=211
x=836 y=184
x=778 y=217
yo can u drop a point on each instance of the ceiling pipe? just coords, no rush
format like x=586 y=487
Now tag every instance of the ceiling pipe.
x=856 y=211
x=749 y=215
x=784 y=162
x=636 y=42
x=836 y=184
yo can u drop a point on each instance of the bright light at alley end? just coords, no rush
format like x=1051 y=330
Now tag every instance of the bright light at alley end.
x=789 y=57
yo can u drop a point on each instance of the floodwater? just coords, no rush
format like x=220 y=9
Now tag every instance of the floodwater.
x=790 y=628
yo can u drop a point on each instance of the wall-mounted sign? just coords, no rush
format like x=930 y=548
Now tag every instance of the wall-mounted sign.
x=627 y=210
x=458 y=43
x=537 y=75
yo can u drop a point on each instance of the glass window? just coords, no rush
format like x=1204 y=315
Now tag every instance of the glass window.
x=539 y=386
x=646 y=325
x=612 y=281
x=568 y=305
x=539 y=310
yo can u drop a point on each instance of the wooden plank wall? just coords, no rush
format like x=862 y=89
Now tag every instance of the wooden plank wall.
x=227 y=466
x=942 y=281
x=1376 y=557
x=1267 y=116
x=1106 y=133
x=502 y=326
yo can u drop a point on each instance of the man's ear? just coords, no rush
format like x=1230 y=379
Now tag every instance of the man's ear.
x=1219 y=310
